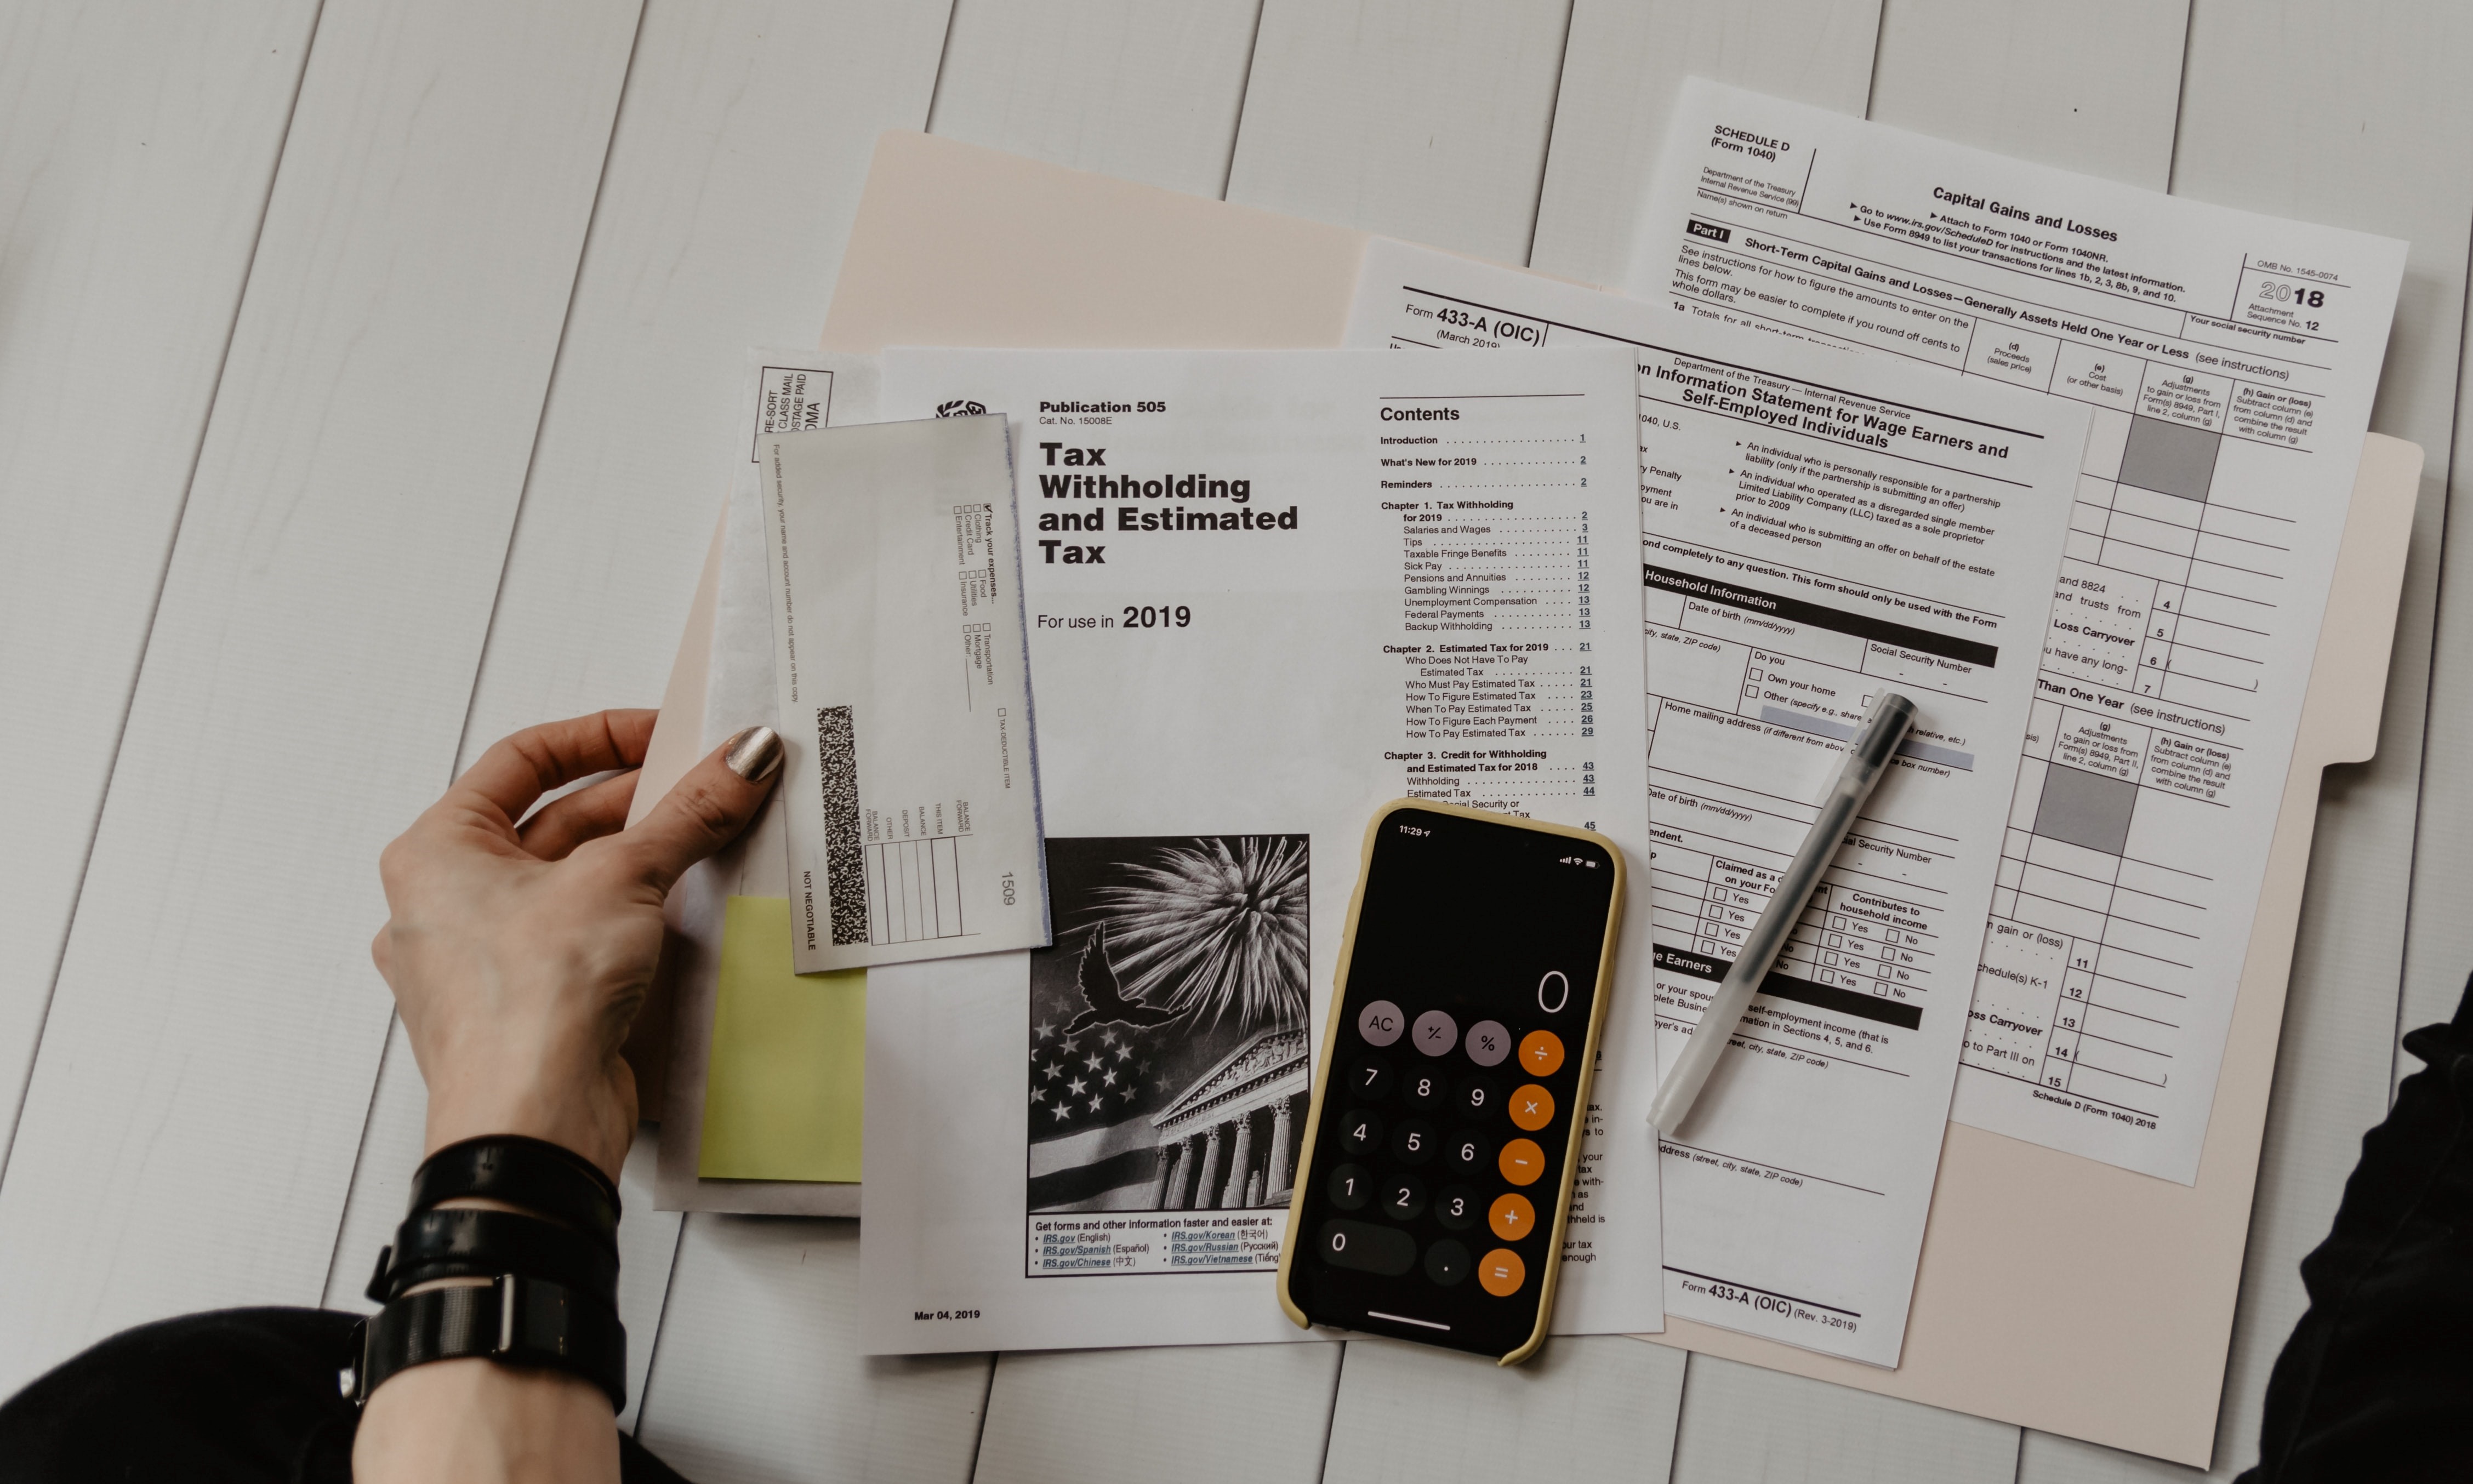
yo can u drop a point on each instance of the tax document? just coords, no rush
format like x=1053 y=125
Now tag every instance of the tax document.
x=2230 y=361
x=1816 y=526
x=1269 y=591
x=905 y=687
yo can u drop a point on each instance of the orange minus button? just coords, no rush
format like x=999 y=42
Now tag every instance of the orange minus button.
x=1501 y=1273
x=1522 y=1162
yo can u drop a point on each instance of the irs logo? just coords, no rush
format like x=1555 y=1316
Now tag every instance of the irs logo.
x=960 y=407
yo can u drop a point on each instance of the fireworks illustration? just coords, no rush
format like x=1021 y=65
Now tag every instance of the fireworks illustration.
x=1214 y=930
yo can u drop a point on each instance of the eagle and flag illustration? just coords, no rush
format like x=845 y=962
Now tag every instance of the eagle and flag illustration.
x=1172 y=954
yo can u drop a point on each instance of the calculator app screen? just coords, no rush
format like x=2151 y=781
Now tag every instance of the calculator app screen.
x=1428 y=1212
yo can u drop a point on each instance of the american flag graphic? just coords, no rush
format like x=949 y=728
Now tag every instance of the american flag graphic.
x=1178 y=961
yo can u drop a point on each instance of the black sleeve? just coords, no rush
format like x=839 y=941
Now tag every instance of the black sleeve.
x=2376 y=1383
x=244 y=1396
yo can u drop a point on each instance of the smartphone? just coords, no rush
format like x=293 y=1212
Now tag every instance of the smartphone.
x=1453 y=1083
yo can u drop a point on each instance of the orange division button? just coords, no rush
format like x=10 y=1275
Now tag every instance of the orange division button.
x=1522 y=1162
x=1532 y=1107
x=1541 y=1052
x=1512 y=1217
x=1501 y=1272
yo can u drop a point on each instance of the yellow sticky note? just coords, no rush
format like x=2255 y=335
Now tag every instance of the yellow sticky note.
x=781 y=1097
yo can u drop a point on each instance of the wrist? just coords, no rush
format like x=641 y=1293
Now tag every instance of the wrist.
x=482 y=1104
x=478 y=1420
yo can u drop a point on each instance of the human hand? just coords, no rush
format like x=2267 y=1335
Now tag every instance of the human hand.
x=519 y=954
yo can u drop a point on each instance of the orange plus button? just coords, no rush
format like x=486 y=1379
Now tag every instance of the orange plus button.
x=1532 y=1107
x=1522 y=1162
x=1541 y=1052
x=1512 y=1217
x=1501 y=1273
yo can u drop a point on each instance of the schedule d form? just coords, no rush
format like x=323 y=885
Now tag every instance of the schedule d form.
x=2230 y=361
x=1816 y=527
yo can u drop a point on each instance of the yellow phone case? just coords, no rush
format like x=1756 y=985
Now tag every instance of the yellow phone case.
x=1588 y=1062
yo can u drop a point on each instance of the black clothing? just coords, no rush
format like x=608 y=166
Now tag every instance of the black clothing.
x=2377 y=1381
x=247 y=1396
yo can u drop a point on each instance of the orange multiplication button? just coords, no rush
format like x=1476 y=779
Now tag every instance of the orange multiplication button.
x=1522 y=1162
x=1541 y=1052
x=1501 y=1272
x=1512 y=1217
x=1532 y=1107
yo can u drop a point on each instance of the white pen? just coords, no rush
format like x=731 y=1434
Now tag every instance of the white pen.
x=1867 y=757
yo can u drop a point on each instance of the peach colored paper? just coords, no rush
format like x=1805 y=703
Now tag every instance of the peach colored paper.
x=2131 y=1281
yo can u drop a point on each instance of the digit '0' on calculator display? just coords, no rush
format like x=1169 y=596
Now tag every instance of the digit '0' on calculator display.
x=1454 y=1081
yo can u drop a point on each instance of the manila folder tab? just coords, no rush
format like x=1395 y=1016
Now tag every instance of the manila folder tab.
x=956 y=245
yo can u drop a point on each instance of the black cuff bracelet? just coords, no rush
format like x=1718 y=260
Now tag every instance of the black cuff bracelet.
x=532 y=1173
x=521 y=1320
x=466 y=1244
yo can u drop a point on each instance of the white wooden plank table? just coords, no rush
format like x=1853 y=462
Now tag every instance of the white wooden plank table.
x=1742 y=1422
x=1623 y=65
x=2090 y=86
x=639 y=236
x=1423 y=119
x=734 y=1402
x=189 y=1130
x=137 y=148
x=1597 y=1408
x=1141 y=91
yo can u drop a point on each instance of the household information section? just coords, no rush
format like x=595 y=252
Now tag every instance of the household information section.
x=2230 y=360
x=1268 y=592
x=1816 y=527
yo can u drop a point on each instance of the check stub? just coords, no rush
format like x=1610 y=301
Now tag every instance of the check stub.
x=914 y=824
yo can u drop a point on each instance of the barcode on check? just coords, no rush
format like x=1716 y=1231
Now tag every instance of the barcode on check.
x=845 y=861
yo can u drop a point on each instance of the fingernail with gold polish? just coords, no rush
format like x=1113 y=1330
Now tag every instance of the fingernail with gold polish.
x=754 y=754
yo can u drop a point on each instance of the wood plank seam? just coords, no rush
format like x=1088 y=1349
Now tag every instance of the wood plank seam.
x=2181 y=94
x=1880 y=33
x=987 y=1393
x=943 y=56
x=1553 y=111
x=654 y=1339
x=128 y=691
x=1331 y=1414
x=1228 y=168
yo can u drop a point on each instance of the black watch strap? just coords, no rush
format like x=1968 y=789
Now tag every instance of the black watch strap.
x=521 y=1320
x=532 y=1173
x=468 y=1243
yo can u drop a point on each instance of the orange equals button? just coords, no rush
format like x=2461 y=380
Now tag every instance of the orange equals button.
x=1501 y=1273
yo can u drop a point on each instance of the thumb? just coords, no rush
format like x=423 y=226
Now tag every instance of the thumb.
x=705 y=810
